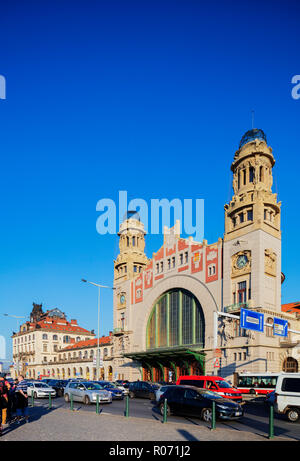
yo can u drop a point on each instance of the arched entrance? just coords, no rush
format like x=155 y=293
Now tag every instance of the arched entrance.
x=175 y=336
x=290 y=365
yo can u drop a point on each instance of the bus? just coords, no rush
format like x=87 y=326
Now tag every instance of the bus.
x=255 y=383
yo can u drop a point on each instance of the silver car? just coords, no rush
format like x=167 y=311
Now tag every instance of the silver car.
x=86 y=392
x=39 y=389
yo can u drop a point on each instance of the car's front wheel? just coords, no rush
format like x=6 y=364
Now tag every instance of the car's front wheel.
x=206 y=415
x=87 y=400
x=35 y=395
x=131 y=395
x=162 y=409
x=67 y=398
x=293 y=414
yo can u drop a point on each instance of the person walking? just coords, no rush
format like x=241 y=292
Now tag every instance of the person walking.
x=22 y=400
x=4 y=399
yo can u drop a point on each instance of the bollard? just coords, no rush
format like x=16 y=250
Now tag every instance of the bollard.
x=127 y=406
x=97 y=404
x=71 y=402
x=271 y=422
x=165 y=411
x=50 y=401
x=32 y=398
x=213 y=416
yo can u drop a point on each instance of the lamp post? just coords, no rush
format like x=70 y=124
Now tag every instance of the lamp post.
x=16 y=317
x=98 y=344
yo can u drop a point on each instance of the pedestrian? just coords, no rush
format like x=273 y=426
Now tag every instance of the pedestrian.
x=22 y=400
x=4 y=399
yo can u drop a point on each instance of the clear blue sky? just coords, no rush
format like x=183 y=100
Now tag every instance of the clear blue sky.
x=151 y=97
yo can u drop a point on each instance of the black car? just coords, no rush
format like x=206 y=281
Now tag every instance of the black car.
x=143 y=389
x=195 y=402
x=57 y=384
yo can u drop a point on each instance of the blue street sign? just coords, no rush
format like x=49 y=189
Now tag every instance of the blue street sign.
x=252 y=320
x=280 y=327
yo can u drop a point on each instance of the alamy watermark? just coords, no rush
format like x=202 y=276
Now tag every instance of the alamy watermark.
x=2 y=87
x=156 y=216
x=296 y=88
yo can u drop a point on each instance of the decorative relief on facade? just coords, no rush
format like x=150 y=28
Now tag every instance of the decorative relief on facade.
x=241 y=263
x=270 y=262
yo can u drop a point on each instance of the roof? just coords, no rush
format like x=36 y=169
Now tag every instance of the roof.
x=293 y=307
x=89 y=343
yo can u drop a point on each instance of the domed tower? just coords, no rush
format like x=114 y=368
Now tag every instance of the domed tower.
x=252 y=239
x=253 y=205
x=132 y=258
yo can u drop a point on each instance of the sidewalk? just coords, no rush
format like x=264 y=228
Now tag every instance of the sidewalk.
x=64 y=425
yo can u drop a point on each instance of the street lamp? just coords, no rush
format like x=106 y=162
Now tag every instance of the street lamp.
x=16 y=317
x=98 y=345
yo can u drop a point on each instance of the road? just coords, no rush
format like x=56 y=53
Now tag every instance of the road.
x=255 y=419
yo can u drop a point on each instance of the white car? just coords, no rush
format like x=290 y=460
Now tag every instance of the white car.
x=287 y=396
x=125 y=390
x=40 y=389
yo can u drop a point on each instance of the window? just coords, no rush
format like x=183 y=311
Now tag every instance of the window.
x=190 y=394
x=250 y=215
x=55 y=338
x=291 y=385
x=173 y=261
x=186 y=257
x=133 y=241
x=241 y=215
x=45 y=336
x=242 y=292
x=169 y=263
x=181 y=258
x=251 y=174
x=176 y=319
x=244 y=177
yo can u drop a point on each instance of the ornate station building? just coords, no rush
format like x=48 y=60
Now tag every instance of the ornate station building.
x=164 y=306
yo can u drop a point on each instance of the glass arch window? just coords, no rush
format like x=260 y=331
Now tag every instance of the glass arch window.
x=176 y=320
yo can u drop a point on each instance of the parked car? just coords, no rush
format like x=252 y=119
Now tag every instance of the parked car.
x=111 y=387
x=143 y=389
x=123 y=388
x=213 y=383
x=86 y=392
x=287 y=396
x=195 y=402
x=57 y=384
x=40 y=389
x=121 y=382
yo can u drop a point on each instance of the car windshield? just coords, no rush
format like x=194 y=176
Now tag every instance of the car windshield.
x=93 y=386
x=209 y=394
x=41 y=385
x=223 y=384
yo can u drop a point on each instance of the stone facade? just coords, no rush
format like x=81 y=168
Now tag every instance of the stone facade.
x=242 y=269
x=51 y=346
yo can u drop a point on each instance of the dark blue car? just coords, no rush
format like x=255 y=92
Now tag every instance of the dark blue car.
x=117 y=394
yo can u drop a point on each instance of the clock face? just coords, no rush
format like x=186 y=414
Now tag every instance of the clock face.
x=122 y=299
x=241 y=261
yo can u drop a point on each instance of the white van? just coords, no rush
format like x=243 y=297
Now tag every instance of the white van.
x=287 y=395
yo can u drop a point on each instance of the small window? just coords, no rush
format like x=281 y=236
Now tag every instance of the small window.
x=291 y=385
x=250 y=215
x=241 y=215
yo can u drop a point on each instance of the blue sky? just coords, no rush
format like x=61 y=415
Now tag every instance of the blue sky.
x=147 y=97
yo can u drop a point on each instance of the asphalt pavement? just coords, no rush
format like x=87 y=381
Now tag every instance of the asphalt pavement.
x=143 y=424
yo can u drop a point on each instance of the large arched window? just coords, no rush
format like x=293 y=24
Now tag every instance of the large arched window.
x=176 y=319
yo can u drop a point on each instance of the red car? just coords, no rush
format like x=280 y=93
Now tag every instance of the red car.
x=212 y=383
